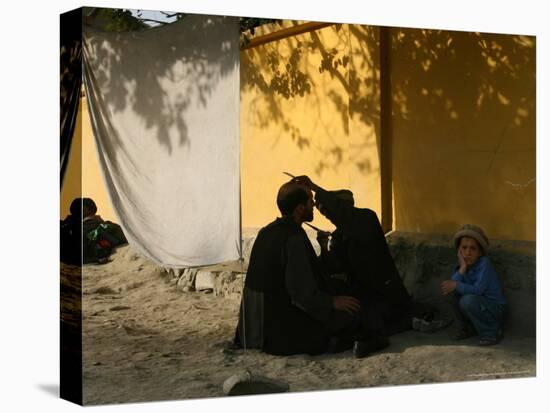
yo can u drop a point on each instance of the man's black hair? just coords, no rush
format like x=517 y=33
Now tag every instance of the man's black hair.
x=89 y=204
x=290 y=196
x=78 y=205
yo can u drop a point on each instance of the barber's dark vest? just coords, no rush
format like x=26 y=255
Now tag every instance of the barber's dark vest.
x=373 y=263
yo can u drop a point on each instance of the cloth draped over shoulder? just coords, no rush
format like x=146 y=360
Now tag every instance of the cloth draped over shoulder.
x=164 y=107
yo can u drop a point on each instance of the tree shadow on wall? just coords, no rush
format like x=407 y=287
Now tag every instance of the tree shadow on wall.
x=459 y=74
x=134 y=74
x=438 y=77
x=304 y=66
x=472 y=92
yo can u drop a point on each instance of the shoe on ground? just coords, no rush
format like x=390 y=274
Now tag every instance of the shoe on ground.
x=416 y=323
x=364 y=348
x=434 y=325
x=490 y=341
x=462 y=334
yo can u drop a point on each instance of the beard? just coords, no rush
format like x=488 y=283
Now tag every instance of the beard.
x=308 y=216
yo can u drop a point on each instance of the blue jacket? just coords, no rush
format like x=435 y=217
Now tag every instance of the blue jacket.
x=480 y=279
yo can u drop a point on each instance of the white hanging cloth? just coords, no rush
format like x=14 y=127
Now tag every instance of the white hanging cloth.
x=164 y=106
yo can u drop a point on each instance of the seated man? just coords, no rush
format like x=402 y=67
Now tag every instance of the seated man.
x=86 y=237
x=359 y=249
x=285 y=308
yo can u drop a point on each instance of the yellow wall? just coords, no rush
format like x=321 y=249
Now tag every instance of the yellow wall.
x=83 y=173
x=298 y=114
x=464 y=132
x=463 y=127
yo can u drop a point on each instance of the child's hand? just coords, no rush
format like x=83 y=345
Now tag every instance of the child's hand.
x=461 y=263
x=447 y=287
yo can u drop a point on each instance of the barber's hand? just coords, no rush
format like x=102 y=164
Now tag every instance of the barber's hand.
x=448 y=287
x=346 y=303
x=305 y=180
x=322 y=239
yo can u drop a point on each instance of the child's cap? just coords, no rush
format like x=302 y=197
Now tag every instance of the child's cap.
x=474 y=232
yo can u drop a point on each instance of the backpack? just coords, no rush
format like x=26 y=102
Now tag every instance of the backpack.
x=99 y=242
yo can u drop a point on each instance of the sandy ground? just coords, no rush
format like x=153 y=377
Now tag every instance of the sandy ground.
x=145 y=341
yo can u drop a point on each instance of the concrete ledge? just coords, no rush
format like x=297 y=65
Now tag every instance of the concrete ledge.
x=423 y=260
x=224 y=280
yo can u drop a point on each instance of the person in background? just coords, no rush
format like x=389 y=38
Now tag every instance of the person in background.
x=86 y=237
x=477 y=300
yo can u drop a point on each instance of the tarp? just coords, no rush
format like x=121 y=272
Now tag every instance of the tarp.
x=164 y=107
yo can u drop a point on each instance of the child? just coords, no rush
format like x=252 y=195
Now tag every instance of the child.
x=476 y=295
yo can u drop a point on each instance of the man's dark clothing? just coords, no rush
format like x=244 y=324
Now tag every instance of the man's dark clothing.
x=71 y=240
x=285 y=309
x=359 y=249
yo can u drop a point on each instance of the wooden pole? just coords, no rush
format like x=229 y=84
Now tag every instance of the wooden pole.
x=284 y=33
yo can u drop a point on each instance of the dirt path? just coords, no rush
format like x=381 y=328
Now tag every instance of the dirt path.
x=144 y=341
